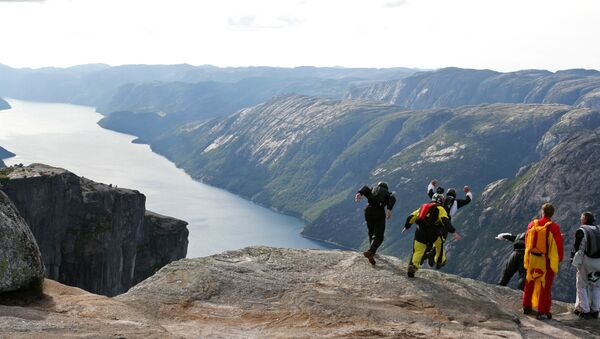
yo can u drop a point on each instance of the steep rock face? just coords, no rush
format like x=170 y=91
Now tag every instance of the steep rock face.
x=20 y=259
x=453 y=87
x=4 y=104
x=566 y=177
x=159 y=234
x=92 y=235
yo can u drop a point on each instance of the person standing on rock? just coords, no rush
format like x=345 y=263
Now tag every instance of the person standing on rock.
x=431 y=220
x=543 y=253
x=379 y=198
x=514 y=263
x=585 y=256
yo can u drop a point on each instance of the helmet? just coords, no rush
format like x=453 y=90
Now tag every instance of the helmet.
x=439 y=190
x=451 y=192
x=383 y=184
x=438 y=198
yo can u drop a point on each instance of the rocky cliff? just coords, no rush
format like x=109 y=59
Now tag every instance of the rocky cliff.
x=262 y=292
x=91 y=235
x=20 y=259
x=453 y=87
x=566 y=176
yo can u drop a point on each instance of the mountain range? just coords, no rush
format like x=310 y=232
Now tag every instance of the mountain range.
x=512 y=137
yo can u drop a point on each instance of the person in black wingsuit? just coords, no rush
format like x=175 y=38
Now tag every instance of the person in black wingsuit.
x=379 y=198
x=514 y=263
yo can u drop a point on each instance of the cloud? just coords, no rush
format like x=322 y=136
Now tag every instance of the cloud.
x=250 y=22
x=394 y=3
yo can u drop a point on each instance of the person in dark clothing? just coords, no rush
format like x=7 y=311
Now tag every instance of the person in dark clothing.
x=514 y=263
x=379 y=198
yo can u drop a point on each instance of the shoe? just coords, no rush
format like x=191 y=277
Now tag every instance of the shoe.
x=585 y=316
x=527 y=310
x=431 y=257
x=370 y=256
x=594 y=314
x=549 y=316
x=411 y=271
x=440 y=265
x=577 y=312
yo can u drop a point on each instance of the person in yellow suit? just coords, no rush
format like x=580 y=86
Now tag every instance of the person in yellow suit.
x=543 y=253
x=432 y=220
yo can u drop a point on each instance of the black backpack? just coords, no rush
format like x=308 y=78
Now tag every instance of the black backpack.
x=592 y=249
x=379 y=195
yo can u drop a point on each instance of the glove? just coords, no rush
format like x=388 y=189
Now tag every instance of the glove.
x=501 y=236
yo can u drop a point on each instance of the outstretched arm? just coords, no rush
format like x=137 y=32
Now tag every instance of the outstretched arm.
x=431 y=188
x=462 y=202
x=506 y=236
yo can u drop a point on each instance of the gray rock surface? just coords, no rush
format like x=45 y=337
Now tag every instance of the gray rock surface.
x=269 y=292
x=262 y=292
x=92 y=235
x=20 y=258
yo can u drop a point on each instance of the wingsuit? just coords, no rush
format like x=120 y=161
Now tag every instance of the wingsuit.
x=543 y=253
x=514 y=263
x=431 y=220
x=586 y=258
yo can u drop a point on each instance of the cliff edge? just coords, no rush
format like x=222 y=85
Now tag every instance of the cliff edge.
x=262 y=292
x=93 y=236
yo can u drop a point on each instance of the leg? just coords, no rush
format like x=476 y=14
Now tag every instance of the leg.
x=378 y=231
x=417 y=255
x=595 y=293
x=510 y=268
x=370 y=223
x=521 y=271
x=581 y=283
x=440 y=256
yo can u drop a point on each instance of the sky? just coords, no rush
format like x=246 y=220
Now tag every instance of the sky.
x=504 y=35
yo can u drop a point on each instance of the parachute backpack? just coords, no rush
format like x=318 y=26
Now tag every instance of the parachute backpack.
x=428 y=214
x=536 y=250
x=537 y=238
x=380 y=193
x=592 y=234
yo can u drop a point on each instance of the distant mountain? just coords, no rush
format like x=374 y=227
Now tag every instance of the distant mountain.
x=4 y=104
x=4 y=154
x=453 y=87
x=96 y=84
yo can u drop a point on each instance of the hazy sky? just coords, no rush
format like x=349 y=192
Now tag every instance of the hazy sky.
x=497 y=34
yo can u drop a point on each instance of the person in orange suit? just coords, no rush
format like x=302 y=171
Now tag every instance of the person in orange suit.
x=543 y=253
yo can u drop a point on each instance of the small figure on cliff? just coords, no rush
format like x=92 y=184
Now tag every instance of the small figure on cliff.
x=585 y=256
x=514 y=263
x=432 y=220
x=543 y=253
x=379 y=198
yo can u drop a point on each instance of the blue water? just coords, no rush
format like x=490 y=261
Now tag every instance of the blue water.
x=68 y=136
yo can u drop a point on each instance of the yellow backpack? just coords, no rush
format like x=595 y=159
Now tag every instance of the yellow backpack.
x=537 y=238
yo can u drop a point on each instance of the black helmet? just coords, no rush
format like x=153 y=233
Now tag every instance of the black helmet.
x=438 y=198
x=383 y=184
x=439 y=190
x=451 y=192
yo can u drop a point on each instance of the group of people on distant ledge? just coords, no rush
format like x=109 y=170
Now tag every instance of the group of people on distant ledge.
x=536 y=254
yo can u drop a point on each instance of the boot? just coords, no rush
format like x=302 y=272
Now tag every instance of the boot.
x=411 y=271
x=370 y=256
x=431 y=257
